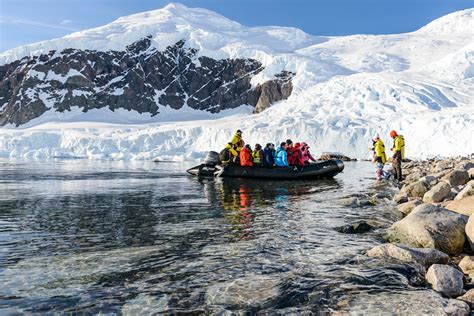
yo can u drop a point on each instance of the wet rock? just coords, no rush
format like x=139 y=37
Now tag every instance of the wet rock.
x=420 y=302
x=446 y=280
x=437 y=193
x=468 y=297
x=146 y=305
x=468 y=190
x=255 y=291
x=430 y=226
x=356 y=228
x=457 y=177
x=463 y=206
x=467 y=265
x=407 y=207
x=416 y=189
x=400 y=198
x=355 y=202
x=425 y=257
x=470 y=231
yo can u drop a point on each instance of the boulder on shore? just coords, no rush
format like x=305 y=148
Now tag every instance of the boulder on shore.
x=446 y=280
x=457 y=177
x=437 y=193
x=400 y=198
x=415 y=189
x=468 y=190
x=425 y=257
x=430 y=226
x=467 y=265
x=463 y=206
x=468 y=297
x=470 y=231
x=407 y=207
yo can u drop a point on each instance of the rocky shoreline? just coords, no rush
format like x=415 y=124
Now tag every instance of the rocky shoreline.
x=437 y=230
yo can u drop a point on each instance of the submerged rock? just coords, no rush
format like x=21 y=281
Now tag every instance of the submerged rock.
x=437 y=193
x=446 y=280
x=429 y=226
x=356 y=228
x=255 y=291
x=422 y=302
x=355 y=202
x=407 y=207
x=425 y=257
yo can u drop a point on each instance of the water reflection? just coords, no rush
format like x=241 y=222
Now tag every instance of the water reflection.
x=145 y=237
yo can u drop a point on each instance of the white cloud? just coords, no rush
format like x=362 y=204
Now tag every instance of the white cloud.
x=65 y=22
x=19 y=21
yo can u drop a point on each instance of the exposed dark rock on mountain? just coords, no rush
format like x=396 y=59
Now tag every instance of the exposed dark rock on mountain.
x=140 y=78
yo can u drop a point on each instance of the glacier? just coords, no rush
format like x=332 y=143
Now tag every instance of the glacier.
x=346 y=88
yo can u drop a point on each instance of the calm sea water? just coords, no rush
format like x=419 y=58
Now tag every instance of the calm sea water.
x=141 y=238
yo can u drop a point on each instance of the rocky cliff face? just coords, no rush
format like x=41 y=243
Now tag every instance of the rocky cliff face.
x=140 y=78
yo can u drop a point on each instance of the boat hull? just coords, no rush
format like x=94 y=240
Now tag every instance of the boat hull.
x=319 y=170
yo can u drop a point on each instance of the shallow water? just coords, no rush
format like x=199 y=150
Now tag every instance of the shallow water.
x=116 y=237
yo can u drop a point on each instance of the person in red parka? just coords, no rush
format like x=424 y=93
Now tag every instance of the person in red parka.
x=246 y=156
x=297 y=154
x=289 y=152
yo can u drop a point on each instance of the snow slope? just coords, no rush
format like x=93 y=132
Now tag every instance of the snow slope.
x=345 y=89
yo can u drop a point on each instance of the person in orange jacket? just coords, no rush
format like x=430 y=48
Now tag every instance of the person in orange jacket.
x=246 y=156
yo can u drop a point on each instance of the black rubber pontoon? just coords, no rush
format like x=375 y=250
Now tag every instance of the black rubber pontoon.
x=318 y=170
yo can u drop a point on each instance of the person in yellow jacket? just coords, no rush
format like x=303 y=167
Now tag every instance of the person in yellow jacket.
x=398 y=150
x=228 y=154
x=257 y=155
x=380 y=158
x=237 y=141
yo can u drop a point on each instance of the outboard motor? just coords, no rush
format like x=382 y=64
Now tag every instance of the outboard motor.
x=208 y=168
x=212 y=158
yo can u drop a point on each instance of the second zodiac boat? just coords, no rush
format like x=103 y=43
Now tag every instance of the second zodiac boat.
x=318 y=170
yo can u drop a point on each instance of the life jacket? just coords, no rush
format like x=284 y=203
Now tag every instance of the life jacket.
x=379 y=150
x=256 y=154
x=399 y=146
x=246 y=158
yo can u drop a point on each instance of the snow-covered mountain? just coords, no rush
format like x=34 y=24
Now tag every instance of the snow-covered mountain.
x=333 y=92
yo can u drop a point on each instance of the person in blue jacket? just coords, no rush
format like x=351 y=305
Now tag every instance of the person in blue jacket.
x=281 y=157
x=269 y=155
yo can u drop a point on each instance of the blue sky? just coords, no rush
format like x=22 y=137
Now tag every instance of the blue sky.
x=27 y=21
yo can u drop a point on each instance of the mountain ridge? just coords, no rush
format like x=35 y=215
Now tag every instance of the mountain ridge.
x=343 y=88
